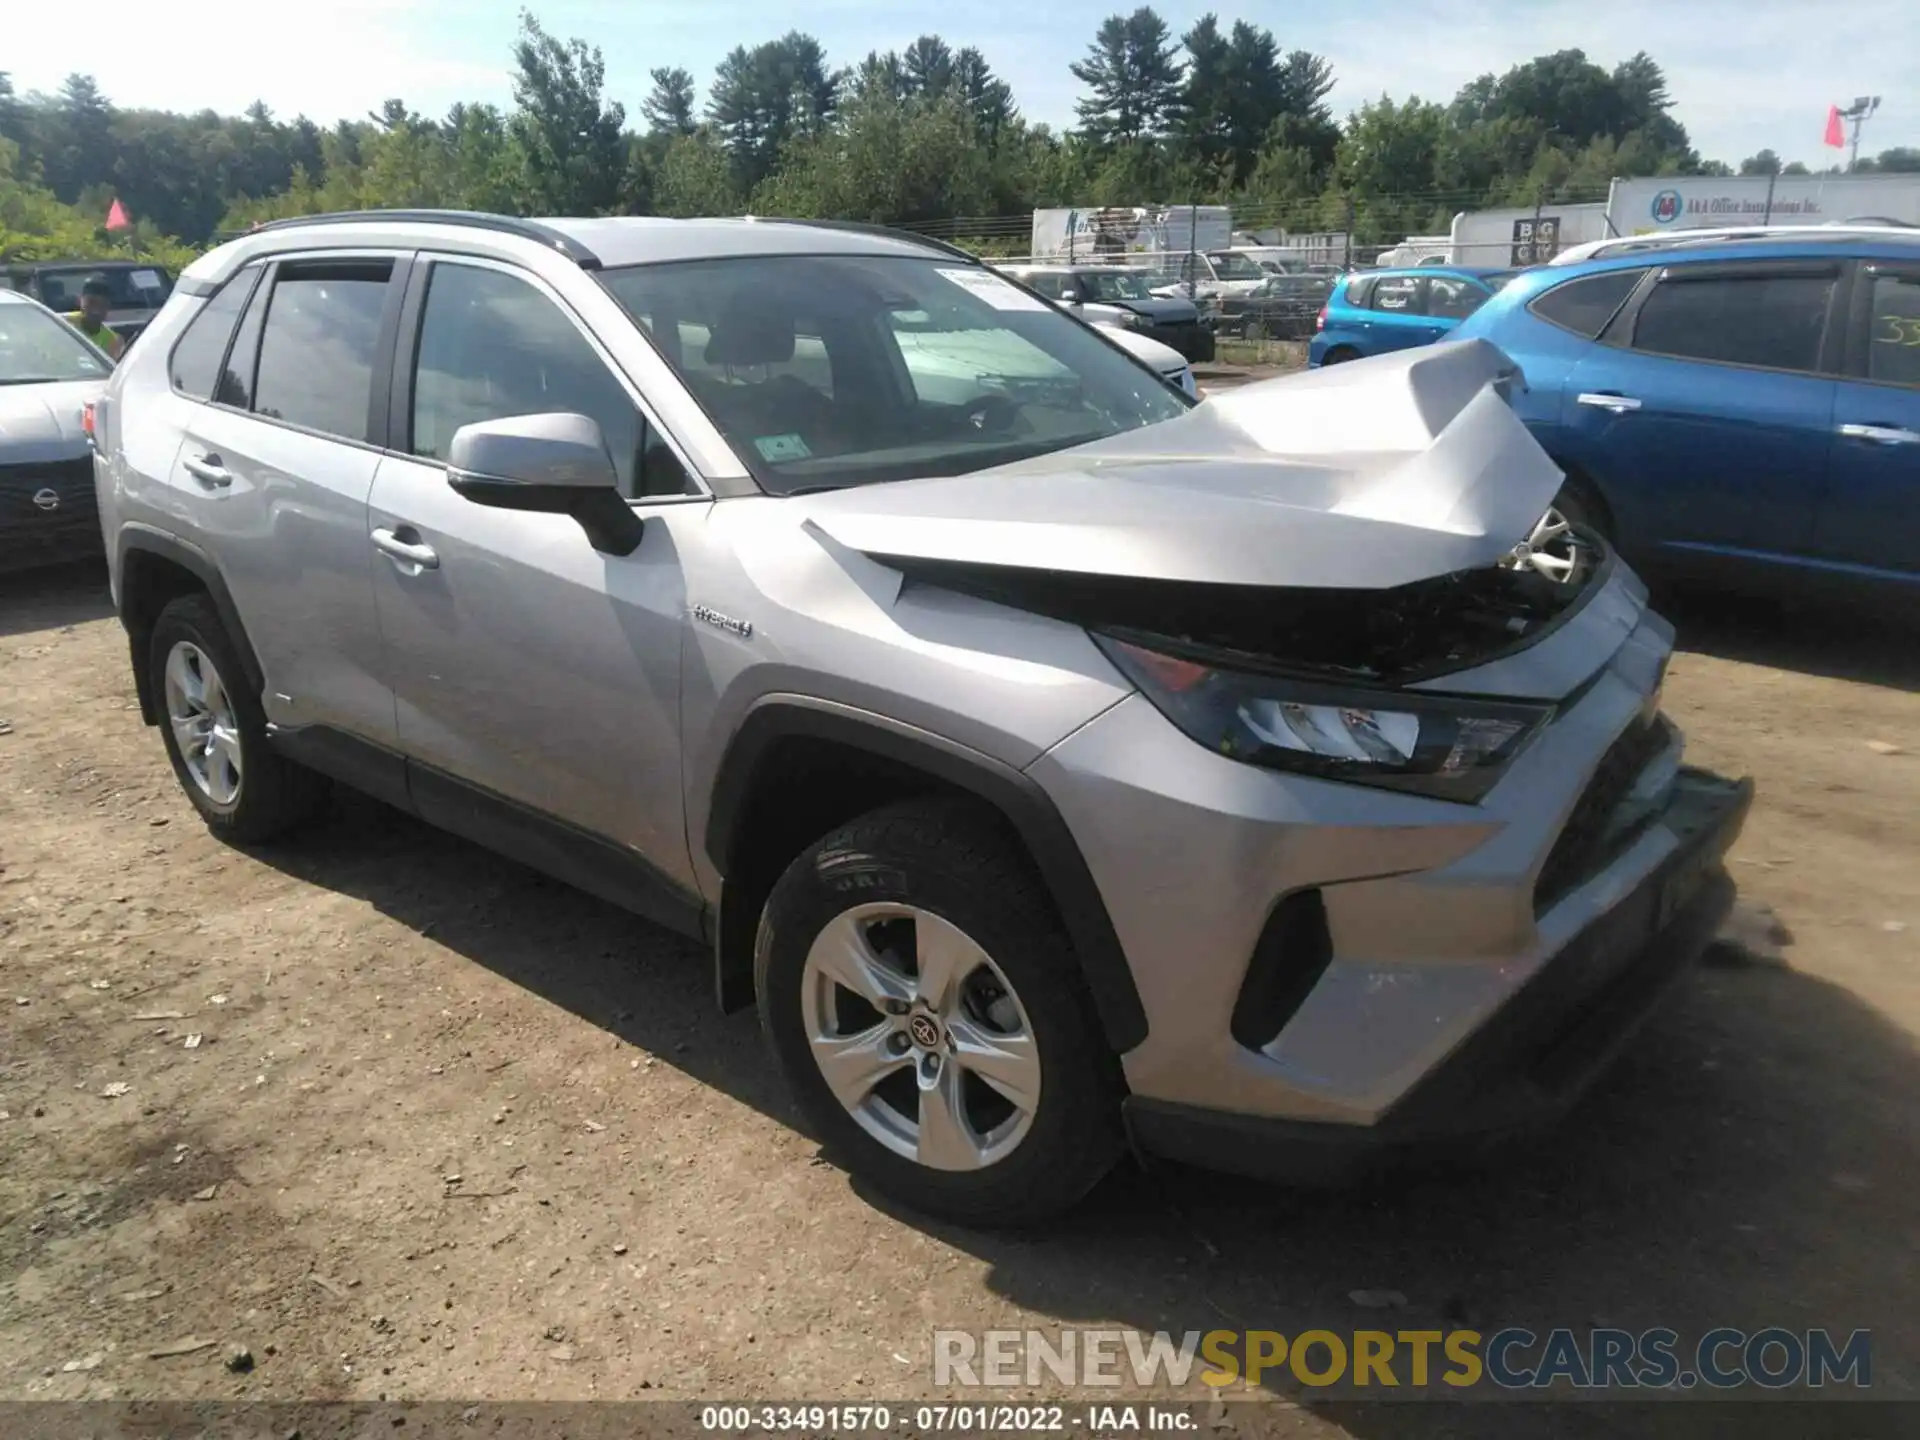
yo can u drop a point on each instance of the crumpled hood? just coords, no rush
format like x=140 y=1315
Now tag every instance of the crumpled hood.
x=1362 y=476
x=41 y=423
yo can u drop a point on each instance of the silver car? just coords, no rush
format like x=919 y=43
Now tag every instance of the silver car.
x=1056 y=762
x=49 y=373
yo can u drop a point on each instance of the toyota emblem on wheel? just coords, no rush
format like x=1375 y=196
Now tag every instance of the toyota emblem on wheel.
x=925 y=1031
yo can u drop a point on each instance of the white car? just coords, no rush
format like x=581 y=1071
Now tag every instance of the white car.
x=1171 y=364
x=49 y=374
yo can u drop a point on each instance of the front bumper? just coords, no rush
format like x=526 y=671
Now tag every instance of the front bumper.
x=1535 y=1057
x=1195 y=343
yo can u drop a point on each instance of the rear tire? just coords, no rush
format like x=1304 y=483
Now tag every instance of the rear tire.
x=216 y=733
x=1340 y=356
x=964 y=973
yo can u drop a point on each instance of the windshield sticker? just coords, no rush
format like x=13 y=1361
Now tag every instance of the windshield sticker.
x=146 y=279
x=1000 y=293
x=776 y=448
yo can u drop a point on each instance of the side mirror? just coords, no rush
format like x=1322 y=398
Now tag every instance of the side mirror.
x=553 y=464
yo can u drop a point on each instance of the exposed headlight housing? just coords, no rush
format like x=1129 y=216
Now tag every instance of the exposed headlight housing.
x=1446 y=746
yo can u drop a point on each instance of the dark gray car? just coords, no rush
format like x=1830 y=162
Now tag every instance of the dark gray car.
x=1114 y=295
x=48 y=374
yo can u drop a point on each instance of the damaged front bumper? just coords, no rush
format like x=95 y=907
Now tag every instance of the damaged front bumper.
x=1535 y=1057
x=1322 y=962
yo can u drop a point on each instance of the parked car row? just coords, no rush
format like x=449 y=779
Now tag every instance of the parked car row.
x=1060 y=765
x=1744 y=407
x=135 y=290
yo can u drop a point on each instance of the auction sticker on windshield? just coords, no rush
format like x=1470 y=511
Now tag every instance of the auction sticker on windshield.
x=1001 y=294
x=776 y=448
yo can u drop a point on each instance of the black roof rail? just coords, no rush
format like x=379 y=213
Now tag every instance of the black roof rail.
x=860 y=227
x=472 y=219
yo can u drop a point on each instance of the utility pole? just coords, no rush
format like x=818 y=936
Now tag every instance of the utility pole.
x=1857 y=114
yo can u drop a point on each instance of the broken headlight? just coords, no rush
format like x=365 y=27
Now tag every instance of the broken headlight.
x=1449 y=747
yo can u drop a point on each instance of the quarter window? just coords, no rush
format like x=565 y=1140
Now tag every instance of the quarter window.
x=195 y=363
x=1584 y=306
x=317 y=348
x=1773 y=321
x=492 y=346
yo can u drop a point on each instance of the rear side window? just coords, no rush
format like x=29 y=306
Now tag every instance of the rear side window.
x=1775 y=321
x=1893 y=344
x=1360 y=292
x=317 y=348
x=1397 y=294
x=1584 y=306
x=195 y=363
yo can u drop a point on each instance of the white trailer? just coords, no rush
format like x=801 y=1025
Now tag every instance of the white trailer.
x=1700 y=202
x=1523 y=235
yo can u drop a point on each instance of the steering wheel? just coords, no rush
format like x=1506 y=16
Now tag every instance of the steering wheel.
x=992 y=414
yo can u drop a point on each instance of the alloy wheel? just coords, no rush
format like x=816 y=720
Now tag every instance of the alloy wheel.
x=204 y=724
x=1554 y=549
x=920 y=1036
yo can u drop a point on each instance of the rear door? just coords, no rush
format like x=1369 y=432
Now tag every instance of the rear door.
x=1870 y=512
x=1704 y=414
x=1397 y=314
x=274 y=475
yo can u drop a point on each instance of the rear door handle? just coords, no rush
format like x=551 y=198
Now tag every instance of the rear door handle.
x=1881 y=434
x=388 y=543
x=1618 y=404
x=208 y=470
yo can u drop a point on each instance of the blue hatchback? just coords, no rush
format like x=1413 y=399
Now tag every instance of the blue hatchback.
x=1381 y=310
x=1748 y=408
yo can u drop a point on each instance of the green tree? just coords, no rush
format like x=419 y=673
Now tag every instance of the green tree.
x=928 y=66
x=765 y=97
x=1132 y=77
x=1764 y=163
x=695 y=177
x=1209 y=98
x=569 y=135
x=669 y=105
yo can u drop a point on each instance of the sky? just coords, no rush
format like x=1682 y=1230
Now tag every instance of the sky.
x=1745 y=74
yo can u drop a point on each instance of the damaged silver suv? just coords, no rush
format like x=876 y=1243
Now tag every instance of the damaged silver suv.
x=1054 y=761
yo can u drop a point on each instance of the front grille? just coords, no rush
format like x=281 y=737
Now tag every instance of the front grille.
x=32 y=533
x=1591 y=837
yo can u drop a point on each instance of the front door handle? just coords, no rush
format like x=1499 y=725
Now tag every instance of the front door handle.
x=1607 y=400
x=1881 y=434
x=411 y=552
x=208 y=470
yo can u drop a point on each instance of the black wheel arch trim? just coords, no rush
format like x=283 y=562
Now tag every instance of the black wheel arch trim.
x=136 y=540
x=1016 y=796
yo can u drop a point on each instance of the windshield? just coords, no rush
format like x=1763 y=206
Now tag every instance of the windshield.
x=1115 y=285
x=1495 y=282
x=35 y=348
x=130 y=288
x=831 y=370
x=1229 y=266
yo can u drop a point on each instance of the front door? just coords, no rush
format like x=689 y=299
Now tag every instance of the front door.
x=528 y=667
x=1705 y=414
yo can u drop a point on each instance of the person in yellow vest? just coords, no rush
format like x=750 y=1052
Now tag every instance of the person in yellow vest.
x=91 y=318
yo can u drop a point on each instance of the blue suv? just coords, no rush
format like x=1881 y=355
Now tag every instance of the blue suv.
x=1748 y=408
x=1382 y=310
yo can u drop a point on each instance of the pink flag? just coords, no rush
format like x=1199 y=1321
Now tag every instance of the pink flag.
x=1836 y=136
x=117 y=217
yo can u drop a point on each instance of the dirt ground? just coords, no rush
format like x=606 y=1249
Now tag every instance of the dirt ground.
x=451 y=1131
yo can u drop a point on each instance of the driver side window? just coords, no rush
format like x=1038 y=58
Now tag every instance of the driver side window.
x=493 y=346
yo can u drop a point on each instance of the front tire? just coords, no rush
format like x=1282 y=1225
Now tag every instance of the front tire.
x=216 y=733
x=925 y=1006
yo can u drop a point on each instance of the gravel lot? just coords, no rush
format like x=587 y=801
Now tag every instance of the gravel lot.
x=449 y=1130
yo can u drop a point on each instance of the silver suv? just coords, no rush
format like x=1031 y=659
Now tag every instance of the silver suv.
x=1055 y=761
